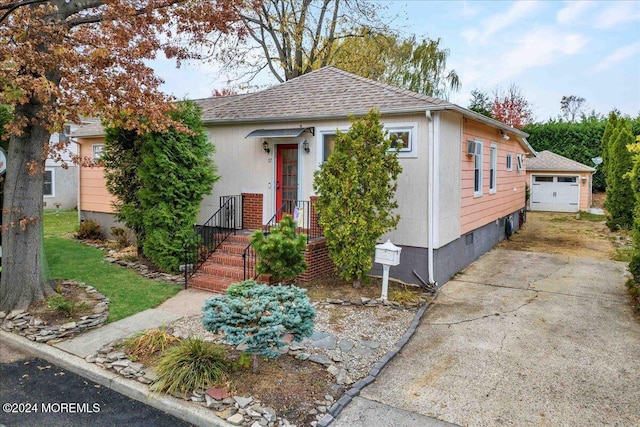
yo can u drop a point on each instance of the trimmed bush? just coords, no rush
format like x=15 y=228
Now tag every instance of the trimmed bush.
x=89 y=230
x=280 y=252
x=260 y=317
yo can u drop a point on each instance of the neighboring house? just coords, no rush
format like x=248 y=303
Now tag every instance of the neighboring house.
x=61 y=176
x=95 y=202
x=559 y=184
x=462 y=185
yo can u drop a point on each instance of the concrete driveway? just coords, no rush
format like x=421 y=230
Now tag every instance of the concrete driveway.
x=518 y=339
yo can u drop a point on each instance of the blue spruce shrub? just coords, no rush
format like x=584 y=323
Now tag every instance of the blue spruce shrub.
x=260 y=316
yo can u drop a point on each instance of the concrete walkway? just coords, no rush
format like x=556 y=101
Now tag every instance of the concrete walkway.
x=186 y=303
x=70 y=354
x=519 y=338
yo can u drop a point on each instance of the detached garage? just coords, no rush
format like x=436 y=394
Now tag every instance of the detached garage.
x=558 y=184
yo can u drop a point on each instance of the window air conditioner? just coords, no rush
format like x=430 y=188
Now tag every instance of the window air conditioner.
x=473 y=148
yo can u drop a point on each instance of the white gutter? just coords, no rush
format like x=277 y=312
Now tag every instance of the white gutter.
x=430 y=198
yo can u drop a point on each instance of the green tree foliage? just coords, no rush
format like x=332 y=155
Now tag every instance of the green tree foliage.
x=578 y=141
x=480 y=102
x=634 y=265
x=416 y=65
x=122 y=158
x=177 y=171
x=611 y=124
x=620 y=198
x=280 y=252
x=173 y=170
x=356 y=187
x=260 y=317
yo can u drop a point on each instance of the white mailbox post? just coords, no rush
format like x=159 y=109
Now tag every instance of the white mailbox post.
x=387 y=254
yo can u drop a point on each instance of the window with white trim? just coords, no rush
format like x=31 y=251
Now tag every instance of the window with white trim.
x=97 y=150
x=47 y=188
x=519 y=162
x=493 y=168
x=402 y=139
x=477 y=172
x=509 y=162
x=328 y=145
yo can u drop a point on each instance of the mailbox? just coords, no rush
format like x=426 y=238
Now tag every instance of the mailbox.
x=387 y=253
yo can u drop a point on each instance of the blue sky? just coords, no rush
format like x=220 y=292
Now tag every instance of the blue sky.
x=547 y=48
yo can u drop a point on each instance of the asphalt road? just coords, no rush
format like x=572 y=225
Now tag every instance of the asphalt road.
x=34 y=392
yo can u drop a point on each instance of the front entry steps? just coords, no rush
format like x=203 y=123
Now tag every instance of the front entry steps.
x=224 y=266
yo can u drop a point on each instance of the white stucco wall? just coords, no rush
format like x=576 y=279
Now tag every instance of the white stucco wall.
x=245 y=167
x=447 y=217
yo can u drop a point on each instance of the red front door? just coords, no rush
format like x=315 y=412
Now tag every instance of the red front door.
x=286 y=176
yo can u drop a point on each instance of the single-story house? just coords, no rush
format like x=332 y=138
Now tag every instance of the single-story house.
x=461 y=191
x=60 y=189
x=559 y=184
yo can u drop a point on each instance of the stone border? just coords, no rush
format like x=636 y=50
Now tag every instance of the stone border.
x=236 y=410
x=357 y=387
x=27 y=325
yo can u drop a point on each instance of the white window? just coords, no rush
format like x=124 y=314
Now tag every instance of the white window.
x=403 y=138
x=48 y=187
x=477 y=171
x=97 y=151
x=509 y=162
x=328 y=145
x=519 y=162
x=493 y=168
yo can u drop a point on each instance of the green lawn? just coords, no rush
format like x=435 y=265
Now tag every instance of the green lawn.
x=129 y=292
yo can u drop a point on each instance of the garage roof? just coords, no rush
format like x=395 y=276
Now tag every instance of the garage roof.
x=548 y=161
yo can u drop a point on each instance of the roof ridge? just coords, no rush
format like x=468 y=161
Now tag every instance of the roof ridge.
x=393 y=88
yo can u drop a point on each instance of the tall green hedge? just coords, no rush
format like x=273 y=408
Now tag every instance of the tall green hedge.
x=579 y=141
x=620 y=198
x=161 y=178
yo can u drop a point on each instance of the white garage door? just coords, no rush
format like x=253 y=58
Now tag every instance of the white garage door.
x=555 y=193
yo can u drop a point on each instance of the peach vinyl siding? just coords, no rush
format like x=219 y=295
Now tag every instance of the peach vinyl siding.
x=93 y=189
x=510 y=192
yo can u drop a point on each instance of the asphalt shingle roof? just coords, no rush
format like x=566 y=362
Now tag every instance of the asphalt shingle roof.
x=327 y=92
x=546 y=160
x=88 y=130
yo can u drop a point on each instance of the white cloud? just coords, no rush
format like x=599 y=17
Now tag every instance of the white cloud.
x=516 y=14
x=468 y=11
x=574 y=10
x=618 y=55
x=616 y=13
x=540 y=47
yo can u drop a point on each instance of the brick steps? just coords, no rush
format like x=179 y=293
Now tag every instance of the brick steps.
x=223 y=267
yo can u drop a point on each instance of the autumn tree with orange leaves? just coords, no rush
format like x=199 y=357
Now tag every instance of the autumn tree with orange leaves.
x=511 y=107
x=60 y=59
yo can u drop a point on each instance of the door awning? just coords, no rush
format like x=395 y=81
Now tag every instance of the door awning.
x=279 y=133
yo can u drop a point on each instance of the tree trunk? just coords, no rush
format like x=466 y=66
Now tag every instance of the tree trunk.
x=22 y=282
x=255 y=363
x=357 y=284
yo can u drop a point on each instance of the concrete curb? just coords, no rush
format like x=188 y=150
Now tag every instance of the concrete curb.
x=357 y=387
x=189 y=412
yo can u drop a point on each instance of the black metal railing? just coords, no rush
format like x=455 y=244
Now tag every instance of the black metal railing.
x=303 y=213
x=210 y=235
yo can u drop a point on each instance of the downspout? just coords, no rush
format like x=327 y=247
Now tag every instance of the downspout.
x=79 y=166
x=430 y=198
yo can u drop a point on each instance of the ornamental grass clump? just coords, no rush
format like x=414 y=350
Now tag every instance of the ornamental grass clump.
x=150 y=342
x=260 y=317
x=191 y=365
